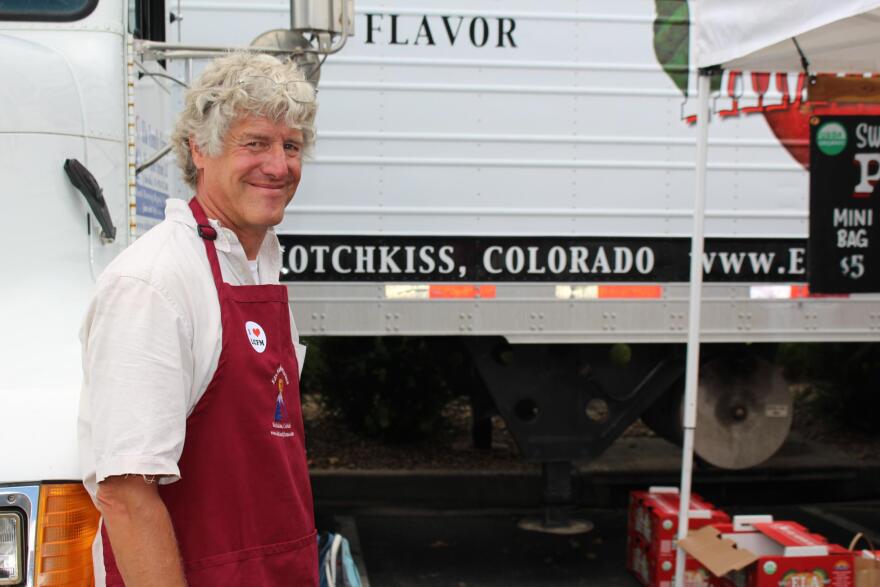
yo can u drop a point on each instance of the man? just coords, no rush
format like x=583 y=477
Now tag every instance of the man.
x=181 y=343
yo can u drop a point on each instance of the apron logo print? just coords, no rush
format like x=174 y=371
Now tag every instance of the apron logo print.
x=256 y=336
x=281 y=422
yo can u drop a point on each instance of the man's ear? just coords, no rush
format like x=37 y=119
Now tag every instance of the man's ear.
x=197 y=156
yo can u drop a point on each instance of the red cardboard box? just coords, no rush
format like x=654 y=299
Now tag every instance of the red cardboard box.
x=653 y=515
x=652 y=527
x=660 y=571
x=758 y=552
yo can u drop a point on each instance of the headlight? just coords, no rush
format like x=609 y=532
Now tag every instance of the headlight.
x=11 y=548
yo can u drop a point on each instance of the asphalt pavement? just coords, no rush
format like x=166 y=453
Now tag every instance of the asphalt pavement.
x=461 y=528
x=406 y=547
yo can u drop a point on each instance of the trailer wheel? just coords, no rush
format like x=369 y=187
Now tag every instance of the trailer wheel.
x=744 y=411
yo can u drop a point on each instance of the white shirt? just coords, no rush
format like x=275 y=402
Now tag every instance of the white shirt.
x=151 y=340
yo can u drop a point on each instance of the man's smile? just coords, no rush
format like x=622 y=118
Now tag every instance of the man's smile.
x=270 y=186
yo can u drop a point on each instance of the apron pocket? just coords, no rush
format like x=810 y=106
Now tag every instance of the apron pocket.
x=257 y=552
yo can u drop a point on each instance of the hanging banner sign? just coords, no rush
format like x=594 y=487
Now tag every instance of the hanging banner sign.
x=844 y=244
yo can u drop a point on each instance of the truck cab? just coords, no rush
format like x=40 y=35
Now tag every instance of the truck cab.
x=68 y=119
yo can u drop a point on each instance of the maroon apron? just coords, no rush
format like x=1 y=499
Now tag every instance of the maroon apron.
x=242 y=509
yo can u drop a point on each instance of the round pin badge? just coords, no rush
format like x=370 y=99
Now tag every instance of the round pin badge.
x=256 y=336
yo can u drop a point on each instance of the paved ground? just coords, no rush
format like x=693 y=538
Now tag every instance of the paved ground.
x=459 y=528
x=811 y=471
x=403 y=547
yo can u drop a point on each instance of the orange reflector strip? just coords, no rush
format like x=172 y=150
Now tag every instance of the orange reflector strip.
x=461 y=291
x=630 y=291
x=803 y=291
x=66 y=526
x=608 y=292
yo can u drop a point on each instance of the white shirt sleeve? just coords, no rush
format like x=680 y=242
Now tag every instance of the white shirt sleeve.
x=138 y=364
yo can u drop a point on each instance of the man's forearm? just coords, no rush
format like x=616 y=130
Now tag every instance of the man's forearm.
x=140 y=532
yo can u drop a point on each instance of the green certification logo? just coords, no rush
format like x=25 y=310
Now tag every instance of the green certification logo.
x=831 y=138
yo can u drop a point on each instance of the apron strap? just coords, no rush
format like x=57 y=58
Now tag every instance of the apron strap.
x=208 y=235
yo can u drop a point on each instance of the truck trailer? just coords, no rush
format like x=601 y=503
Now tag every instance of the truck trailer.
x=522 y=179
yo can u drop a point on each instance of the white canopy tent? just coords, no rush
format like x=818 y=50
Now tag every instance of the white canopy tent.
x=759 y=35
x=756 y=35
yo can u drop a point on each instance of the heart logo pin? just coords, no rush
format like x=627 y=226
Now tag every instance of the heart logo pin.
x=256 y=336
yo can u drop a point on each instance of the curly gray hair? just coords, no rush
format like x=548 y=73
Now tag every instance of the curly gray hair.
x=236 y=85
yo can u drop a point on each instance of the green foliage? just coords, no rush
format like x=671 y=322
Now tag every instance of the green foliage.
x=845 y=379
x=391 y=388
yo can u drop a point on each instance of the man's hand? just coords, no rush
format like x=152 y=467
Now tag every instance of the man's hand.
x=140 y=532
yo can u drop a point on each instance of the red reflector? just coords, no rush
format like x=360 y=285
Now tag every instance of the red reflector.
x=461 y=291
x=803 y=291
x=630 y=291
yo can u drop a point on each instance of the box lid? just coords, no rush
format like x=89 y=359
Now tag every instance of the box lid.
x=668 y=504
x=794 y=538
x=717 y=554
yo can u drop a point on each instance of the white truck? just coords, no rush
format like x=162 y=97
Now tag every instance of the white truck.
x=516 y=175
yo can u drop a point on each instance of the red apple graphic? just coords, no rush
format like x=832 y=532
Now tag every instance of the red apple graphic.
x=789 y=120
x=792 y=124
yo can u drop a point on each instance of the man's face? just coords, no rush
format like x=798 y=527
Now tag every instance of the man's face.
x=252 y=180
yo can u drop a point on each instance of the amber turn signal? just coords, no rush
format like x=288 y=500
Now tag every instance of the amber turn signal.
x=66 y=527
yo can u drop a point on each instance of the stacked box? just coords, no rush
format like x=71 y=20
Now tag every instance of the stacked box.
x=782 y=554
x=660 y=571
x=795 y=557
x=654 y=517
x=652 y=526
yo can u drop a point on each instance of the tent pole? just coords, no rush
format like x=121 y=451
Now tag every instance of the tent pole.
x=693 y=340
